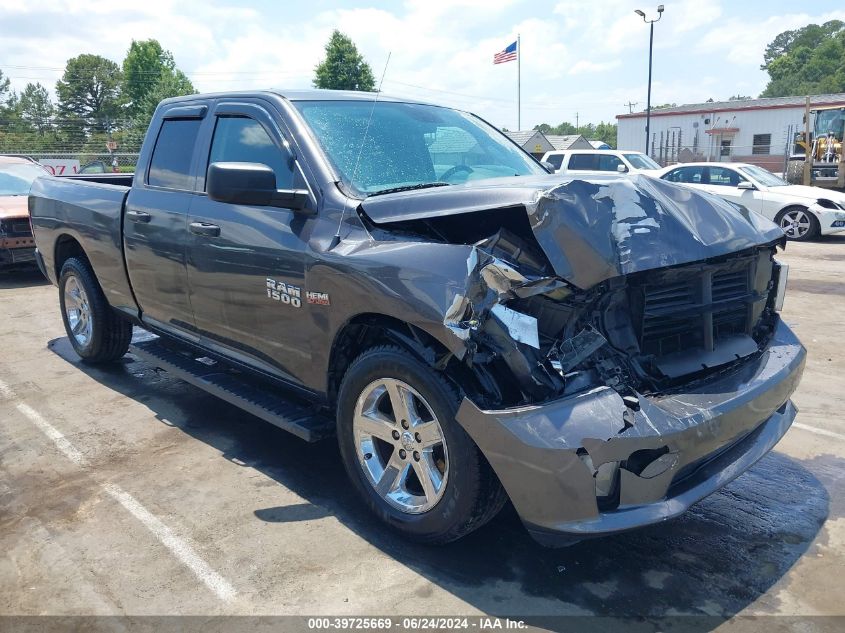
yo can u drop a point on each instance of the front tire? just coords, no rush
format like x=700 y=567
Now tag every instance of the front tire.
x=97 y=333
x=798 y=224
x=409 y=460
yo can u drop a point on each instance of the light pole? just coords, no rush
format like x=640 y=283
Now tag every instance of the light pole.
x=650 y=45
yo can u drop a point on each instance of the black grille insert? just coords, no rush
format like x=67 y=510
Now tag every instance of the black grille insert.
x=694 y=308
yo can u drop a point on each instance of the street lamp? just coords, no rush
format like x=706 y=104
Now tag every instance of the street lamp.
x=650 y=45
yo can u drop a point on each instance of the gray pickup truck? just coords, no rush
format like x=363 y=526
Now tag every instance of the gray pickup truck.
x=602 y=352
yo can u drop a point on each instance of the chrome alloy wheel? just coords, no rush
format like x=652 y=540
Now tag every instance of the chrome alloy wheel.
x=400 y=446
x=77 y=311
x=795 y=224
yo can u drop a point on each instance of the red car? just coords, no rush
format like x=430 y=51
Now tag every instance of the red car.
x=17 y=245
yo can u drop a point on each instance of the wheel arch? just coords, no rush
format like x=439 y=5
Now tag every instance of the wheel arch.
x=369 y=329
x=66 y=246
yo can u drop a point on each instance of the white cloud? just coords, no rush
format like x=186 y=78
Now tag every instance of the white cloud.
x=577 y=56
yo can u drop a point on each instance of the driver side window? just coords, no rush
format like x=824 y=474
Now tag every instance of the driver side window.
x=724 y=177
x=244 y=140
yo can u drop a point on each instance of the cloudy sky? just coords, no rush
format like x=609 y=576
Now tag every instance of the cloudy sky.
x=579 y=56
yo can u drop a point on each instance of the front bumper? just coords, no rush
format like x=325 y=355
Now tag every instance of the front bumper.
x=675 y=450
x=830 y=220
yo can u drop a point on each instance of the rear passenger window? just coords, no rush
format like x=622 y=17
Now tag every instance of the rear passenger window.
x=244 y=140
x=170 y=165
x=584 y=161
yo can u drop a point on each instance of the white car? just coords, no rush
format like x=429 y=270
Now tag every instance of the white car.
x=802 y=212
x=575 y=162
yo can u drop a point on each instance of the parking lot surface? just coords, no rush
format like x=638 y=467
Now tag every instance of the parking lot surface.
x=125 y=491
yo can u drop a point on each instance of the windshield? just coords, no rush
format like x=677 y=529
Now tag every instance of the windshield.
x=830 y=121
x=17 y=178
x=641 y=161
x=410 y=145
x=763 y=176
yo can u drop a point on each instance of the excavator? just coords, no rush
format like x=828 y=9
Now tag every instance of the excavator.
x=817 y=158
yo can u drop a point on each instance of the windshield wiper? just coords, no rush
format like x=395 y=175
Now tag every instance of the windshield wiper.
x=422 y=185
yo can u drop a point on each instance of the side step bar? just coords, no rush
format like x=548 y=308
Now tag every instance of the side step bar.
x=259 y=400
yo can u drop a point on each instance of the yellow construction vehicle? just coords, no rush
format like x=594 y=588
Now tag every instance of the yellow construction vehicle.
x=817 y=158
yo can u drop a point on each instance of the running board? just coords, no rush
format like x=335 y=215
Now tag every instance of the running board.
x=235 y=388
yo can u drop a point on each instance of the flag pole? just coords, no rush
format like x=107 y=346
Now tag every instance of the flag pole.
x=518 y=83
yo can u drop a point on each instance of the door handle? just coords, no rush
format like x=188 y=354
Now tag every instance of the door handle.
x=204 y=228
x=138 y=216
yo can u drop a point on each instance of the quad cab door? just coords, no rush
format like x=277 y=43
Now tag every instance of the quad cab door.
x=156 y=218
x=246 y=264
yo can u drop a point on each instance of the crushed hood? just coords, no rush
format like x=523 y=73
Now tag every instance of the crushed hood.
x=602 y=227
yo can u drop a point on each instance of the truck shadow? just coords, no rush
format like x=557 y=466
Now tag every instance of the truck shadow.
x=714 y=561
x=21 y=277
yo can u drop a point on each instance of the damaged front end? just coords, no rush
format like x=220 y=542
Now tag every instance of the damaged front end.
x=625 y=346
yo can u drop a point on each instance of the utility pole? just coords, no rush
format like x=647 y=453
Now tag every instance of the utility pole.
x=576 y=123
x=650 y=49
x=630 y=106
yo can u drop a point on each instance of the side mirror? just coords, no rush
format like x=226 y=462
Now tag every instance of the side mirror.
x=746 y=185
x=549 y=167
x=621 y=169
x=252 y=184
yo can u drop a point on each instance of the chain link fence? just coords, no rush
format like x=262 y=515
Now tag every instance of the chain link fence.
x=770 y=151
x=81 y=161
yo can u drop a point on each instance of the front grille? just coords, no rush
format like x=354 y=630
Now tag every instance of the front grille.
x=695 y=307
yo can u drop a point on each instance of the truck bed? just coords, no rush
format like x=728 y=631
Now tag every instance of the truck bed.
x=92 y=214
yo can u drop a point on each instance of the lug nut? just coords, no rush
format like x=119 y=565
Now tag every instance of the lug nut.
x=404 y=424
x=417 y=437
x=395 y=435
x=416 y=456
x=402 y=453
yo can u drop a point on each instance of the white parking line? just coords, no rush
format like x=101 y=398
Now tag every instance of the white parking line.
x=67 y=449
x=818 y=431
x=179 y=548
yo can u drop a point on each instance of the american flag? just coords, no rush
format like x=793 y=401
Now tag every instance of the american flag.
x=506 y=55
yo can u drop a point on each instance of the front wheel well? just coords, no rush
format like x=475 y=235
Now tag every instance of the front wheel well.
x=365 y=331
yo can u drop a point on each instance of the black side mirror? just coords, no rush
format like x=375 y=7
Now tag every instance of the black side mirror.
x=253 y=184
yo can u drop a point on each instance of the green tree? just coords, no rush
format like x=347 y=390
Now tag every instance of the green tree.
x=343 y=68
x=7 y=95
x=172 y=84
x=150 y=69
x=809 y=60
x=739 y=97
x=36 y=108
x=89 y=91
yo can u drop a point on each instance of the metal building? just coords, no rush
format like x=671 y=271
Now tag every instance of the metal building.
x=758 y=131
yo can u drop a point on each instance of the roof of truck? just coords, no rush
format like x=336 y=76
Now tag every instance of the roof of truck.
x=303 y=95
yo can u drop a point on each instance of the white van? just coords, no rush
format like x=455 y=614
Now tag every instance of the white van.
x=592 y=161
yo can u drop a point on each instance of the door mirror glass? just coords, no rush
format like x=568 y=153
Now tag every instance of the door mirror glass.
x=250 y=183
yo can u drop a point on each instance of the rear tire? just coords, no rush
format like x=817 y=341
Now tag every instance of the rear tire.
x=419 y=435
x=97 y=333
x=799 y=224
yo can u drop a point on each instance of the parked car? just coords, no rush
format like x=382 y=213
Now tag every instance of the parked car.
x=17 y=245
x=578 y=162
x=604 y=352
x=802 y=212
